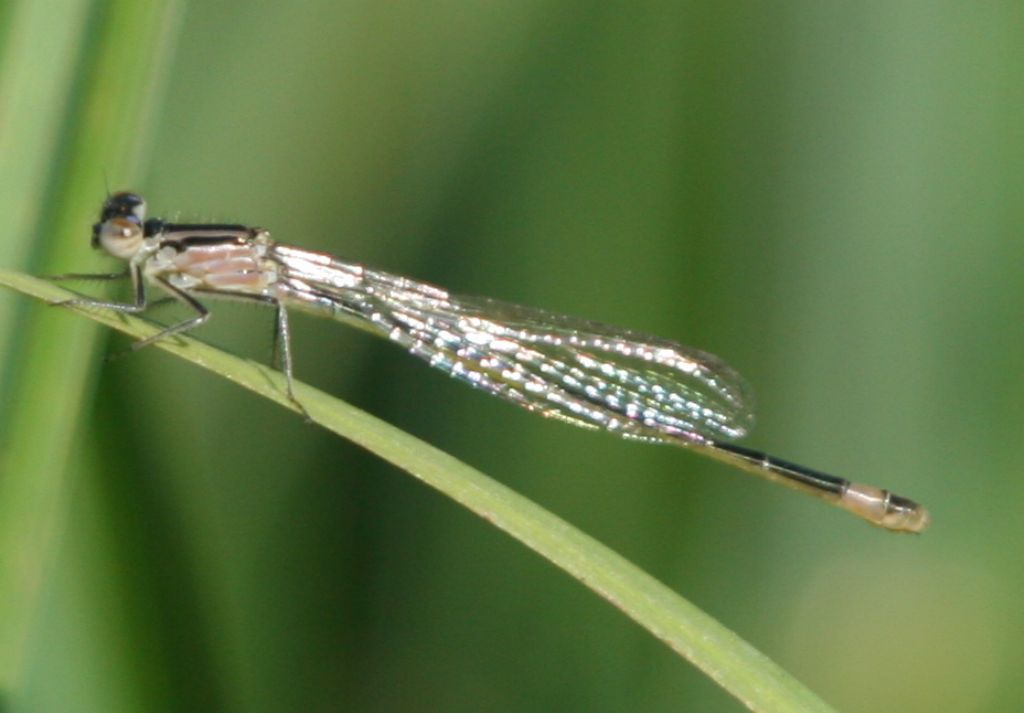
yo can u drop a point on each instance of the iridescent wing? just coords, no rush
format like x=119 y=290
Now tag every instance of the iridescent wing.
x=586 y=373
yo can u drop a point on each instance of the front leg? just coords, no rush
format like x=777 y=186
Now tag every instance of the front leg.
x=141 y=304
x=138 y=289
x=86 y=276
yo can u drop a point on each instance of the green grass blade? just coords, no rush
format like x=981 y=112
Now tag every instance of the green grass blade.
x=739 y=668
x=92 y=123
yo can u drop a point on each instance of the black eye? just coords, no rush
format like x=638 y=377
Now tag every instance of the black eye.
x=124 y=205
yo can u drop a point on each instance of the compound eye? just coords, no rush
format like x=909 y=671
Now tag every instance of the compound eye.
x=121 y=237
x=124 y=205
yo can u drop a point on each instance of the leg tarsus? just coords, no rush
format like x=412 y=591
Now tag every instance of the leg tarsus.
x=126 y=307
x=180 y=328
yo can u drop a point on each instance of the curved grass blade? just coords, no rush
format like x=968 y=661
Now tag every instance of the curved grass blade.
x=740 y=669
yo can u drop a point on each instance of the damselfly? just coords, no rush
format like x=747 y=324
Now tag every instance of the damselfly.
x=585 y=373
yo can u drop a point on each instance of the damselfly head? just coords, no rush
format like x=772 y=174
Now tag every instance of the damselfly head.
x=120 y=231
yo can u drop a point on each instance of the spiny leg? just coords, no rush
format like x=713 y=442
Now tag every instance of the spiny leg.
x=282 y=331
x=140 y=304
x=202 y=314
x=87 y=276
x=137 y=306
x=282 y=354
x=283 y=337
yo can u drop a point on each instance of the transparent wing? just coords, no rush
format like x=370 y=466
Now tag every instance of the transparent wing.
x=589 y=374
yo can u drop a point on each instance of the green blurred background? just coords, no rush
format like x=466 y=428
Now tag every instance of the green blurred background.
x=828 y=195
